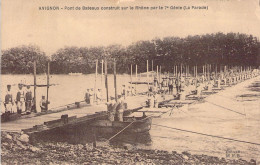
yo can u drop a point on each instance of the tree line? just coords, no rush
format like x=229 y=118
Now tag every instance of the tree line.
x=222 y=49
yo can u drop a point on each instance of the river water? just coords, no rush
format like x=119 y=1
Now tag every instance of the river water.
x=216 y=115
x=67 y=89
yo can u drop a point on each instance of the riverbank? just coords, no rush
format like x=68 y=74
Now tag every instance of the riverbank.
x=16 y=149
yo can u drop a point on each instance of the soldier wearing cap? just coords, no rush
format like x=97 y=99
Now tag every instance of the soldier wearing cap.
x=120 y=108
x=28 y=99
x=91 y=96
x=20 y=99
x=43 y=104
x=111 y=109
x=99 y=96
x=9 y=100
x=87 y=97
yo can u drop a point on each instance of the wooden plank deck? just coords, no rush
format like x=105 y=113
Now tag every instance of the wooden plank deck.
x=26 y=123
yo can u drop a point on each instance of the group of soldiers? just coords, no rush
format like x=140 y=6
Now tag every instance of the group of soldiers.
x=182 y=85
x=91 y=97
x=128 y=91
x=116 y=109
x=24 y=100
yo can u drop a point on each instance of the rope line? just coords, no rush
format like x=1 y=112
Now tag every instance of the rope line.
x=135 y=121
x=220 y=137
x=226 y=108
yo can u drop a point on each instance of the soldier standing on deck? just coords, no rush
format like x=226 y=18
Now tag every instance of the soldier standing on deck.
x=43 y=104
x=28 y=100
x=20 y=99
x=8 y=100
x=111 y=108
x=87 y=97
x=120 y=109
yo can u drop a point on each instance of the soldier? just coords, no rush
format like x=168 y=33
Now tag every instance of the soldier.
x=20 y=99
x=43 y=104
x=8 y=100
x=170 y=85
x=99 y=96
x=91 y=96
x=28 y=100
x=120 y=109
x=111 y=108
x=87 y=97
x=123 y=91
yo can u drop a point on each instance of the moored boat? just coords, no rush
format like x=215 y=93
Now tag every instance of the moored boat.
x=130 y=125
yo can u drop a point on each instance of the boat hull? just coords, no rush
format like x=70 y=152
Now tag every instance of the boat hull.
x=108 y=127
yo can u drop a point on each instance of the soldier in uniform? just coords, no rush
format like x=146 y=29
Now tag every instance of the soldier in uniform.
x=120 y=109
x=20 y=99
x=9 y=100
x=43 y=104
x=87 y=97
x=111 y=108
x=99 y=96
x=28 y=100
x=91 y=96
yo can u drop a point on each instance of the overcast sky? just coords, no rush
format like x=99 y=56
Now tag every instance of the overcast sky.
x=23 y=23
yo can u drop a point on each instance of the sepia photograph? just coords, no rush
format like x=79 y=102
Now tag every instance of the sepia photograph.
x=130 y=82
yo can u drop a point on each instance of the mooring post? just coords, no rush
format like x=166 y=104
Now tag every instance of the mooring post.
x=34 y=73
x=147 y=78
x=106 y=83
x=181 y=71
x=157 y=72
x=102 y=69
x=95 y=86
x=48 y=84
x=136 y=73
x=177 y=72
x=160 y=75
x=131 y=75
x=115 y=80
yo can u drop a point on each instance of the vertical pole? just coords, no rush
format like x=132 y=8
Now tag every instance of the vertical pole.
x=135 y=77
x=216 y=70
x=106 y=83
x=147 y=68
x=173 y=70
x=131 y=74
x=160 y=74
x=181 y=71
x=194 y=71
x=115 y=80
x=48 y=84
x=196 y=78
x=102 y=70
x=176 y=70
x=152 y=65
x=203 y=69
x=185 y=71
x=136 y=73
x=188 y=70
x=95 y=87
x=34 y=73
x=157 y=72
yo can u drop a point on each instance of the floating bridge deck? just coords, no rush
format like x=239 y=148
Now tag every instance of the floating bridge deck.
x=28 y=123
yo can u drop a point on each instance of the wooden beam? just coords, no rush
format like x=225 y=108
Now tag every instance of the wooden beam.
x=115 y=85
x=106 y=83
x=34 y=73
x=48 y=84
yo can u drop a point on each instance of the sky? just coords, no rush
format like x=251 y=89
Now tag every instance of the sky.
x=23 y=23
